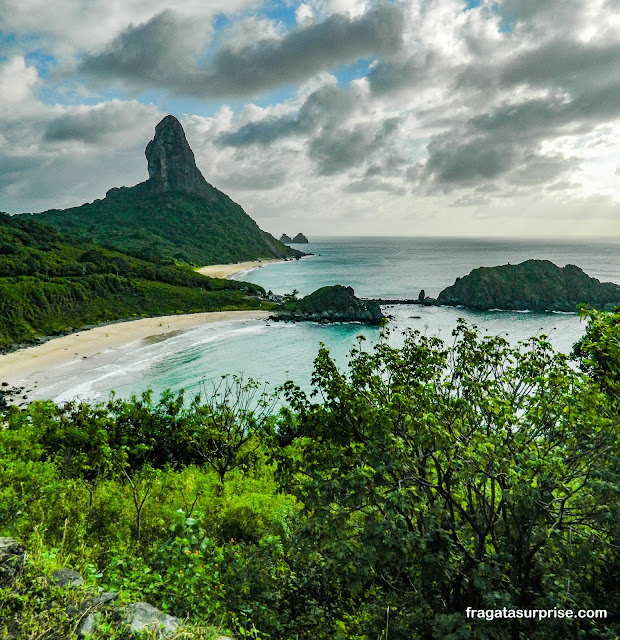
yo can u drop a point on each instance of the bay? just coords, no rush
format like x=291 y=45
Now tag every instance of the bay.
x=273 y=352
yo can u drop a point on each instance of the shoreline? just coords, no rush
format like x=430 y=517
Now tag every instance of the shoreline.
x=26 y=366
x=228 y=270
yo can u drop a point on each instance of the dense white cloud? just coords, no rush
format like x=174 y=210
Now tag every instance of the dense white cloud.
x=460 y=120
x=16 y=81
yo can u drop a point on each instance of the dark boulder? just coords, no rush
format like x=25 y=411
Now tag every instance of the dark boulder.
x=12 y=556
x=67 y=578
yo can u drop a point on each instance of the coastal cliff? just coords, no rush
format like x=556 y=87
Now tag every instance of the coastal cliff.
x=536 y=285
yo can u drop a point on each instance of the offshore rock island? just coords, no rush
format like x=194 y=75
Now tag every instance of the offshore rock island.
x=300 y=238
x=535 y=285
x=332 y=304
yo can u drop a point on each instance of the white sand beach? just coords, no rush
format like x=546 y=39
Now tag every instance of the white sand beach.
x=24 y=368
x=227 y=270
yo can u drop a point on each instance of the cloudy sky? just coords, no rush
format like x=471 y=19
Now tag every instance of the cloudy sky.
x=333 y=117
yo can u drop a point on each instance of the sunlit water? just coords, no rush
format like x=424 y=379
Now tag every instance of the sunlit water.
x=273 y=352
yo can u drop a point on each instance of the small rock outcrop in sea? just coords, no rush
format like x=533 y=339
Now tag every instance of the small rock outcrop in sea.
x=286 y=239
x=332 y=304
x=171 y=162
x=300 y=238
x=536 y=285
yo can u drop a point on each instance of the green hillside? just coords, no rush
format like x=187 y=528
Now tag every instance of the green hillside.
x=538 y=285
x=176 y=214
x=172 y=225
x=50 y=284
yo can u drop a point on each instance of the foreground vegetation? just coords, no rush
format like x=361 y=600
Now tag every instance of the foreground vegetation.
x=51 y=283
x=423 y=481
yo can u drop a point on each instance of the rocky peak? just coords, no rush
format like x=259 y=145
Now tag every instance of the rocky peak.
x=172 y=166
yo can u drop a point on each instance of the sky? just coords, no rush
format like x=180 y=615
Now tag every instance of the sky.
x=329 y=117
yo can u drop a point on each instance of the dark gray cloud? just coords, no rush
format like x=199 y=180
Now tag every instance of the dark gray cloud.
x=100 y=125
x=454 y=159
x=553 y=116
x=334 y=151
x=367 y=185
x=393 y=75
x=161 y=54
x=13 y=169
x=325 y=107
x=262 y=132
x=526 y=9
x=504 y=143
x=333 y=145
x=151 y=54
x=564 y=63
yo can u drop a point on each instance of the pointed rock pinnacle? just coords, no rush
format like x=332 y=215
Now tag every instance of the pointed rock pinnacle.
x=171 y=162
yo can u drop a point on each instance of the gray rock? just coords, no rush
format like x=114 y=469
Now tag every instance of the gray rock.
x=89 y=625
x=171 y=162
x=94 y=602
x=12 y=556
x=67 y=578
x=141 y=616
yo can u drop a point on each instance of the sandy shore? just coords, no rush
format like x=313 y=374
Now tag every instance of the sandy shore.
x=23 y=367
x=227 y=270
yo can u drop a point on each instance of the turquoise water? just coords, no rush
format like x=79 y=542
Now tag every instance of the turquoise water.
x=375 y=267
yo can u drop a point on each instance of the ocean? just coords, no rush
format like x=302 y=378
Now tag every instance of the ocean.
x=273 y=352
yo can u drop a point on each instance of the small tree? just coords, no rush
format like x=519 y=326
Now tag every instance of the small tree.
x=226 y=424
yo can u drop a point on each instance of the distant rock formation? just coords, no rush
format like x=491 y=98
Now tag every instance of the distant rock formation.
x=171 y=162
x=332 y=304
x=536 y=285
x=300 y=238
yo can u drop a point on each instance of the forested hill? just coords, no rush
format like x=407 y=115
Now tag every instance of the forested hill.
x=536 y=285
x=50 y=284
x=176 y=214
